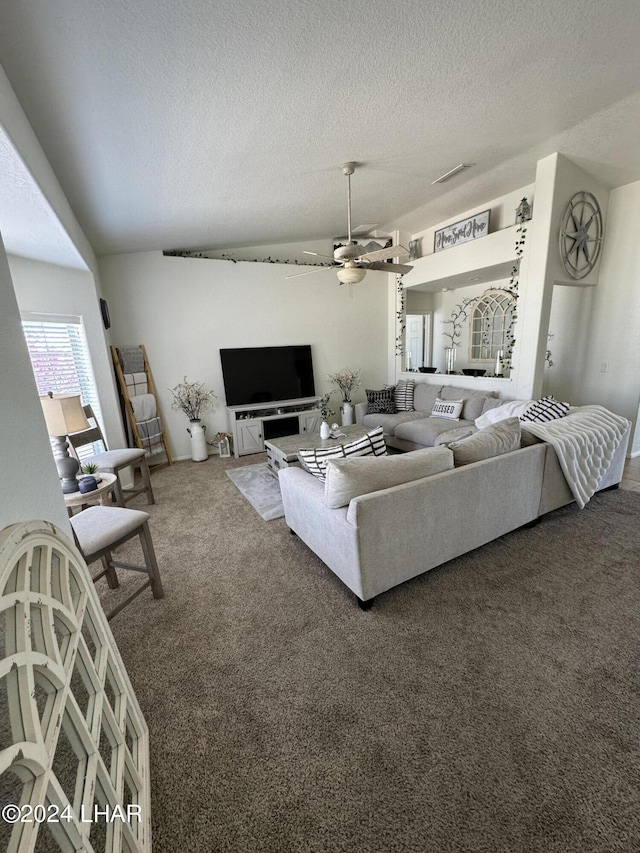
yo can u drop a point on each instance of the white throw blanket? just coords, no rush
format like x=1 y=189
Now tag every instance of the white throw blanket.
x=144 y=407
x=584 y=441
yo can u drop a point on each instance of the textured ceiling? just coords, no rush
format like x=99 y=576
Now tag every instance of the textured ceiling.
x=199 y=124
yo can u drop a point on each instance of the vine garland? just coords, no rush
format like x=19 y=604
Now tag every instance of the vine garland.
x=401 y=321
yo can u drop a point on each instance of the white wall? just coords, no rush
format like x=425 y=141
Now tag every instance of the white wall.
x=613 y=331
x=30 y=484
x=184 y=310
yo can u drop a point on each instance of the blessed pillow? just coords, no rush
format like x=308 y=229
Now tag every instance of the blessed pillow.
x=403 y=395
x=494 y=440
x=315 y=460
x=380 y=402
x=348 y=478
x=449 y=409
x=546 y=409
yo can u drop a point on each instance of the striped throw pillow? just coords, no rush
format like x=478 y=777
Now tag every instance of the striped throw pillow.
x=315 y=460
x=546 y=409
x=403 y=395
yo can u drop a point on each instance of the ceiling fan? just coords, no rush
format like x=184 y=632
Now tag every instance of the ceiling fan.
x=352 y=261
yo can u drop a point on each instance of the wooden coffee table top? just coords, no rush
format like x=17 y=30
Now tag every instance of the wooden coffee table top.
x=289 y=445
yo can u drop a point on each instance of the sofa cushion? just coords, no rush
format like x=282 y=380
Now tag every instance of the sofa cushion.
x=424 y=396
x=403 y=395
x=390 y=422
x=473 y=400
x=426 y=430
x=451 y=435
x=380 y=401
x=491 y=441
x=449 y=409
x=546 y=409
x=315 y=460
x=348 y=478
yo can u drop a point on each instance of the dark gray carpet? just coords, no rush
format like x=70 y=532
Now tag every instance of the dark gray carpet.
x=489 y=705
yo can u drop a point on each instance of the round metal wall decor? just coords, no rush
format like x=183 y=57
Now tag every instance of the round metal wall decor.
x=581 y=234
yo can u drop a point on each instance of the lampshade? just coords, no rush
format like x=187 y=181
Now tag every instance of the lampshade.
x=351 y=275
x=63 y=414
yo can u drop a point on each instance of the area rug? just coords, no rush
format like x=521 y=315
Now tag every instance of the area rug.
x=260 y=487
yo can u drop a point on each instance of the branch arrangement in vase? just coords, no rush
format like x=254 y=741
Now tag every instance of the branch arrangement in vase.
x=346 y=381
x=192 y=398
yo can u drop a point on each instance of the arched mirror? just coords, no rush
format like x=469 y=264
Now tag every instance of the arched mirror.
x=490 y=323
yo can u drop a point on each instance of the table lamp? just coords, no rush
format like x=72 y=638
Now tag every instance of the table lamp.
x=63 y=414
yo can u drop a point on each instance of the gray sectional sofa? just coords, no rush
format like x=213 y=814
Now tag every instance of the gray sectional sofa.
x=416 y=429
x=394 y=529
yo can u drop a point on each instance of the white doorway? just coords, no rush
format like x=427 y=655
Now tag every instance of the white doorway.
x=418 y=341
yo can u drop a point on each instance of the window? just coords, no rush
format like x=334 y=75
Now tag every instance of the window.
x=60 y=359
x=490 y=322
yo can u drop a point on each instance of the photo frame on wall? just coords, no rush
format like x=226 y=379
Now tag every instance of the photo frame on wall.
x=461 y=232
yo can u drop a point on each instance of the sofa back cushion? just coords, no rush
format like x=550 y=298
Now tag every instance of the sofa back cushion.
x=349 y=478
x=473 y=400
x=315 y=460
x=424 y=397
x=491 y=441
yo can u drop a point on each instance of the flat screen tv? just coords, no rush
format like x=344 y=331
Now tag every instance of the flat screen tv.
x=267 y=374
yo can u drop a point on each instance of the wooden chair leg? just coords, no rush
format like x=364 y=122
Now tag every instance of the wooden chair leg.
x=119 y=492
x=150 y=561
x=110 y=573
x=146 y=479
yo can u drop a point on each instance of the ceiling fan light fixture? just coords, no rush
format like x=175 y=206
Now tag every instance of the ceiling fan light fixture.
x=351 y=275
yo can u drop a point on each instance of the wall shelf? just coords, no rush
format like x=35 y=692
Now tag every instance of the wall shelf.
x=486 y=259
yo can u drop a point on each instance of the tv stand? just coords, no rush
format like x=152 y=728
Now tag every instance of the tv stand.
x=281 y=417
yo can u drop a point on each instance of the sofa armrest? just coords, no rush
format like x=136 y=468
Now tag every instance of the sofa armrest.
x=361 y=411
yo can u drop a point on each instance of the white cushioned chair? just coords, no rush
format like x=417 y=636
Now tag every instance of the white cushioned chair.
x=98 y=530
x=113 y=461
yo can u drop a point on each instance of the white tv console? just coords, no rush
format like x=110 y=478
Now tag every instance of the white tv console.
x=252 y=423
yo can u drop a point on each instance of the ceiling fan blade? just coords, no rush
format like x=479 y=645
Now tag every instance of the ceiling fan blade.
x=318 y=255
x=385 y=267
x=383 y=254
x=311 y=272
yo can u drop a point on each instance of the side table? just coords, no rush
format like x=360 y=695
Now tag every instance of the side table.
x=99 y=495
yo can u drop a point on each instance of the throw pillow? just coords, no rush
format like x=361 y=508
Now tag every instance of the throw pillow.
x=348 y=478
x=491 y=441
x=449 y=409
x=546 y=409
x=403 y=395
x=315 y=460
x=380 y=402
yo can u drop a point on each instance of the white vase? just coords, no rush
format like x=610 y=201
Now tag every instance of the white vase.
x=325 y=430
x=347 y=413
x=198 y=441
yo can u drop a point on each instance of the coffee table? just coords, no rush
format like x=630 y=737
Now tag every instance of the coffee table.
x=283 y=452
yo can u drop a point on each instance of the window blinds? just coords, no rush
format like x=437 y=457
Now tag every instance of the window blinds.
x=60 y=358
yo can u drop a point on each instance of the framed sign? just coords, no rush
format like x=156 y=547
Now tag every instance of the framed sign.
x=461 y=232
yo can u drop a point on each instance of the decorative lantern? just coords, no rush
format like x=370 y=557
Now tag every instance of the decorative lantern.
x=523 y=213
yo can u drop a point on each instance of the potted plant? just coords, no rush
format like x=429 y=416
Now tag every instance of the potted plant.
x=325 y=414
x=346 y=381
x=194 y=399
